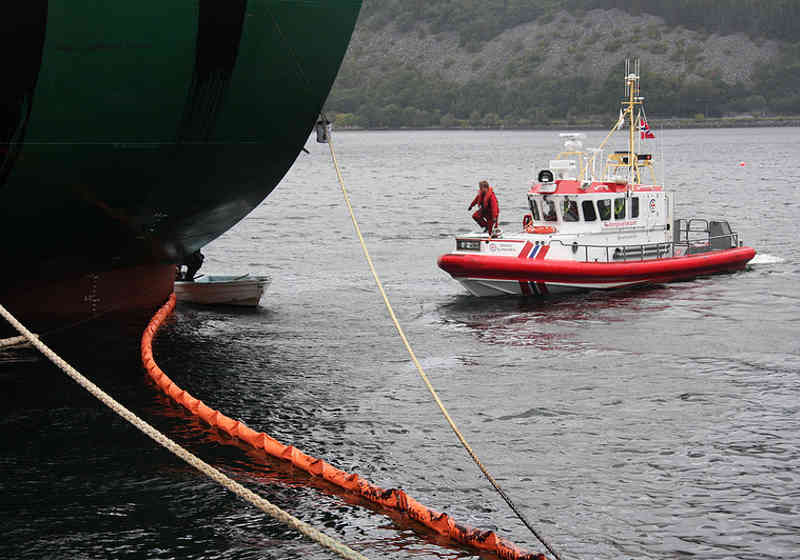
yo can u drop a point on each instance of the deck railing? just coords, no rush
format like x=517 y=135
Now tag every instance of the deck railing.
x=683 y=244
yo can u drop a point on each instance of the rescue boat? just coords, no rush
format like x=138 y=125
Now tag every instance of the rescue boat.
x=596 y=222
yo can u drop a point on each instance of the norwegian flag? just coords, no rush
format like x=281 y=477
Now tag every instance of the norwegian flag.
x=644 y=129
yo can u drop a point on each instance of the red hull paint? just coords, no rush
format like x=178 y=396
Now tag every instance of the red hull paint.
x=52 y=302
x=572 y=272
x=567 y=186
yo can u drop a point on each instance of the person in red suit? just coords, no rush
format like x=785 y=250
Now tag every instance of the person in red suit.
x=488 y=210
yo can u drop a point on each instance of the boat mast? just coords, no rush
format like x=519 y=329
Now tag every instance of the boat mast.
x=632 y=98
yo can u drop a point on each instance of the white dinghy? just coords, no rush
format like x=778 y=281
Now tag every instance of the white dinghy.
x=243 y=290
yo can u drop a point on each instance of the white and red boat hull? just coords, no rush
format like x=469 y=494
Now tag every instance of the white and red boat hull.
x=490 y=275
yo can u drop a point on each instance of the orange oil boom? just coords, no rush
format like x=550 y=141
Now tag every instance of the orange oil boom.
x=394 y=498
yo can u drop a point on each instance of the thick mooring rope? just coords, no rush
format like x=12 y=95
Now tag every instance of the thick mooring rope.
x=248 y=495
x=13 y=341
x=421 y=371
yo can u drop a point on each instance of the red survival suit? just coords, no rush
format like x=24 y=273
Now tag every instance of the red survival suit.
x=488 y=211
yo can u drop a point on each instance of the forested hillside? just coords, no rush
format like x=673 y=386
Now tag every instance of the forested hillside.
x=523 y=63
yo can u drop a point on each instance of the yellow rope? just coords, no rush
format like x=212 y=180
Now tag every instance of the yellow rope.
x=244 y=493
x=421 y=371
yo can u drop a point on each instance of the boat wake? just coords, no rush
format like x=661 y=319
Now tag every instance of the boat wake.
x=763 y=258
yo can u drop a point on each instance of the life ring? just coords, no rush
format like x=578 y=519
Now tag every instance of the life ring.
x=527 y=223
x=543 y=229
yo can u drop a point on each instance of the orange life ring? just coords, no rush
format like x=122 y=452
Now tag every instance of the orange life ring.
x=527 y=223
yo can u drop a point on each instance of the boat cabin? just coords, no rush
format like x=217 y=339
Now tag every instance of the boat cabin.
x=593 y=215
x=582 y=199
x=569 y=206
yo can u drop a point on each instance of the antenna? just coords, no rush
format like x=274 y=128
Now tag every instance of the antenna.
x=663 y=163
x=627 y=73
x=627 y=65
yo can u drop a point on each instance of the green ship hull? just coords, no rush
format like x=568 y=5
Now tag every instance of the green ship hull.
x=134 y=133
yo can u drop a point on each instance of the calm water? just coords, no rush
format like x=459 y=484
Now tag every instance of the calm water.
x=649 y=423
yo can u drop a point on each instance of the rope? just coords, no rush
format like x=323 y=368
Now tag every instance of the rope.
x=421 y=371
x=18 y=340
x=14 y=341
x=394 y=499
x=244 y=493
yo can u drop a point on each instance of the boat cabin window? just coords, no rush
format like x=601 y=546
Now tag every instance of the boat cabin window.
x=534 y=208
x=570 y=210
x=604 y=208
x=549 y=210
x=635 y=207
x=619 y=208
x=588 y=211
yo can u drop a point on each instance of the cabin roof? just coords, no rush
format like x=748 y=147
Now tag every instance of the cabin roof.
x=569 y=186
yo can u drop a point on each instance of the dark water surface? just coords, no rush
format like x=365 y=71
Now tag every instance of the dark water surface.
x=652 y=423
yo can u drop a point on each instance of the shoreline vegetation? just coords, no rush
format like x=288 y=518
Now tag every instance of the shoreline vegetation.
x=656 y=124
x=556 y=64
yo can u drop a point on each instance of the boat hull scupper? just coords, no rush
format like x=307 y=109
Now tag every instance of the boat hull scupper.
x=489 y=275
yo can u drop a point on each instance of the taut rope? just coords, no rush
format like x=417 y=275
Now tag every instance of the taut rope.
x=421 y=371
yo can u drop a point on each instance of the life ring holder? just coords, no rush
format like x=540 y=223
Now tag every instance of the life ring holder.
x=527 y=225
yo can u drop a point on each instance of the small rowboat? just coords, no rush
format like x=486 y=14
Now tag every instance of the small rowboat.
x=243 y=290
